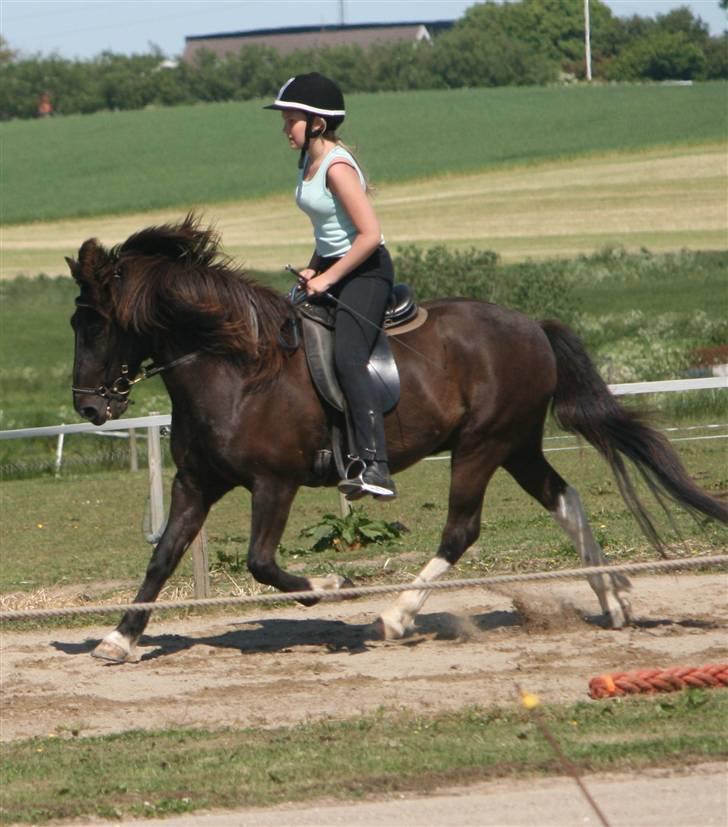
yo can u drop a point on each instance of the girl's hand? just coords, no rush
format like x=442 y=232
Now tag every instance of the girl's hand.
x=307 y=273
x=317 y=285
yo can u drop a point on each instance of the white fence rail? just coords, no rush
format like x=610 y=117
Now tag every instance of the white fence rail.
x=155 y=422
x=164 y=420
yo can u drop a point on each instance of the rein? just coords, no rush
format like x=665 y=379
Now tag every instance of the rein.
x=121 y=388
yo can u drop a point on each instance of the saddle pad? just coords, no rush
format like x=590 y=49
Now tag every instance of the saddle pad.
x=412 y=324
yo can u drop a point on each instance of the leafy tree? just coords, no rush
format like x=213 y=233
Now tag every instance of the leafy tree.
x=493 y=44
x=481 y=55
x=551 y=28
x=257 y=72
x=661 y=55
x=682 y=21
x=402 y=66
x=716 y=58
x=7 y=55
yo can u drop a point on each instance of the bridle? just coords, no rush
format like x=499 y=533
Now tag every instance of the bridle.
x=121 y=387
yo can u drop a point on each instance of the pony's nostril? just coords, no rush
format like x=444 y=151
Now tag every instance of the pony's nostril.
x=89 y=412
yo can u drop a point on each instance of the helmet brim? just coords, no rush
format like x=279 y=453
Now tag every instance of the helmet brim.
x=304 y=107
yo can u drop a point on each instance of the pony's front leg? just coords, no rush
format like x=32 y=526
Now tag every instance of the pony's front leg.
x=188 y=509
x=271 y=504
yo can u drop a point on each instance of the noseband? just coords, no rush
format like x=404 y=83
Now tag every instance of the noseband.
x=121 y=388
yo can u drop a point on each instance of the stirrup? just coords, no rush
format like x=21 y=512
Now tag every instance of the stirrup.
x=352 y=486
x=355 y=485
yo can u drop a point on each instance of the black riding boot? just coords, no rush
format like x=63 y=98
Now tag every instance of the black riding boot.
x=368 y=473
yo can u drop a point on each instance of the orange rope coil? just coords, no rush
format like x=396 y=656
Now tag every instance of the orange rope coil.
x=658 y=680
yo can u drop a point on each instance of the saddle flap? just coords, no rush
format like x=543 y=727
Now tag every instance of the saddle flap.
x=318 y=339
x=319 y=348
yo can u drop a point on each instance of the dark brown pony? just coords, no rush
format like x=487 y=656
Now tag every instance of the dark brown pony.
x=477 y=380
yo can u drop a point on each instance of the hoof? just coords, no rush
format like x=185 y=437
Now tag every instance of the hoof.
x=113 y=648
x=377 y=630
x=387 y=629
x=332 y=583
x=621 y=615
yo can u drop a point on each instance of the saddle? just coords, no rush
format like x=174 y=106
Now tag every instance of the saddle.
x=317 y=322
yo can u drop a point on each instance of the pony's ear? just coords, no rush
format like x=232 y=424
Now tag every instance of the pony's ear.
x=91 y=258
x=72 y=265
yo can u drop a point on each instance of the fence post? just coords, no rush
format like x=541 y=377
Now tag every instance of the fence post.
x=156 y=493
x=200 y=557
x=133 y=453
x=201 y=565
x=59 y=454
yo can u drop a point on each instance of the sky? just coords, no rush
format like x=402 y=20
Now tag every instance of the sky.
x=84 y=28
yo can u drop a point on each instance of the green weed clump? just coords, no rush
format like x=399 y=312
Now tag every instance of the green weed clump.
x=645 y=316
x=536 y=288
x=352 y=531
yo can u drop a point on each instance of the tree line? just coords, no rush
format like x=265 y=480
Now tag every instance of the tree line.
x=531 y=42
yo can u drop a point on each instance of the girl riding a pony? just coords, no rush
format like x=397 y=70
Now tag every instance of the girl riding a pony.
x=350 y=263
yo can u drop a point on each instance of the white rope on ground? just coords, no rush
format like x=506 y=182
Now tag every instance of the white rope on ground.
x=362 y=591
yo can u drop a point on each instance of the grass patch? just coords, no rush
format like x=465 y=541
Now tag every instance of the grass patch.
x=117 y=162
x=53 y=539
x=145 y=774
x=660 y=199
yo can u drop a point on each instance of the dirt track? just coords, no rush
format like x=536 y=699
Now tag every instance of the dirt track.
x=290 y=665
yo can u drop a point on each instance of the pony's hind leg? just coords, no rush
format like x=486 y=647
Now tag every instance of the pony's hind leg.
x=399 y=618
x=609 y=588
x=470 y=476
x=538 y=478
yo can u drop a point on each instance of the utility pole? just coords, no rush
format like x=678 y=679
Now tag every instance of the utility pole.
x=587 y=40
x=342 y=16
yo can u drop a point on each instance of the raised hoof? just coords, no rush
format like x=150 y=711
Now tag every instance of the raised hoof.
x=331 y=583
x=110 y=652
x=308 y=601
x=114 y=648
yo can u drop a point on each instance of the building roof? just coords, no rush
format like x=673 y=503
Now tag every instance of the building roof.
x=288 y=40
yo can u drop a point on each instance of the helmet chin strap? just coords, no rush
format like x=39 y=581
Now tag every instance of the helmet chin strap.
x=310 y=133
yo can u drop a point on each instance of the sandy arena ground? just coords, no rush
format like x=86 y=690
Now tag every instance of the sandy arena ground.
x=269 y=668
x=282 y=667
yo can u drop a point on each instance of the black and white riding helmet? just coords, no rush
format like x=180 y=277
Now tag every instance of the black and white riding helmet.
x=314 y=94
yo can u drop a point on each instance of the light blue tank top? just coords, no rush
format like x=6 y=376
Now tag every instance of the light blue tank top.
x=332 y=228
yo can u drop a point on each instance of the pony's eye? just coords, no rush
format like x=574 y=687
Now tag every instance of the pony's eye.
x=87 y=322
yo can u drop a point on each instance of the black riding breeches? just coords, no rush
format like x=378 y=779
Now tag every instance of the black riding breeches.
x=364 y=295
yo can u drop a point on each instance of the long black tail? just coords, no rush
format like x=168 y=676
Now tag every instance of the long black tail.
x=584 y=405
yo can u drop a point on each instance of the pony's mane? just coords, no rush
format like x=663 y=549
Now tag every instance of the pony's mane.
x=174 y=280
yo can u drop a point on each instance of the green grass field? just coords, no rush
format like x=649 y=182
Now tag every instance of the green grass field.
x=531 y=173
x=121 y=162
x=158 y=774
x=52 y=540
